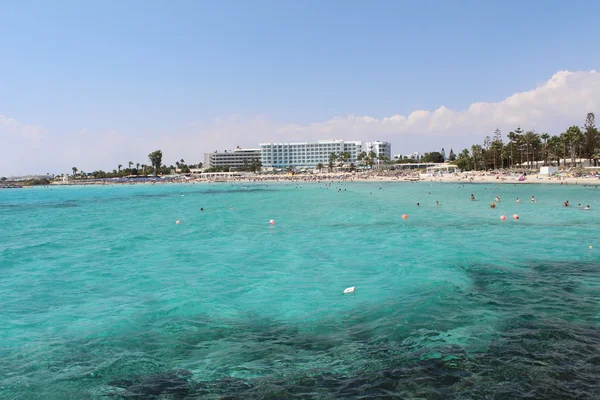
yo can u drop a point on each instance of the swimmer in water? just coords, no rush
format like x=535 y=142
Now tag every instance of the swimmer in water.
x=472 y=197
x=418 y=204
x=579 y=205
x=518 y=201
x=587 y=207
x=437 y=203
x=566 y=203
x=493 y=205
x=532 y=199
x=497 y=199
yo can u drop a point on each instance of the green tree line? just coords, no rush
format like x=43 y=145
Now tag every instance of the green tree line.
x=154 y=167
x=528 y=149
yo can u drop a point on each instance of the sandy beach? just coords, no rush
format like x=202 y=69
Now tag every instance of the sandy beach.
x=371 y=176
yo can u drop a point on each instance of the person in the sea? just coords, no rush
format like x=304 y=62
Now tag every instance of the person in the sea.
x=587 y=207
x=518 y=201
x=472 y=197
x=497 y=199
x=532 y=199
x=579 y=205
x=566 y=203
x=493 y=205
x=437 y=203
x=418 y=204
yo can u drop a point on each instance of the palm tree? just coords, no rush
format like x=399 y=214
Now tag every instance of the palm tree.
x=504 y=155
x=564 y=139
x=591 y=137
x=530 y=138
x=518 y=138
x=554 y=147
x=596 y=153
x=320 y=167
x=477 y=151
x=119 y=168
x=545 y=136
x=512 y=137
x=362 y=157
x=74 y=170
x=527 y=139
x=380 y=160
x=130 y=164
x=383 y=160
x=343 y=158
x=520 y=149
x=332 y=158
x=371 y=158
x=536 y=147
x=575 y=138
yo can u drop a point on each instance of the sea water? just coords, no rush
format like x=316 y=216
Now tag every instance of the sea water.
x=103 y=295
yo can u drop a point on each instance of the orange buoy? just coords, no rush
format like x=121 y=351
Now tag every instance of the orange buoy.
x=404 y=216
x=503 y=217
x=516 y=216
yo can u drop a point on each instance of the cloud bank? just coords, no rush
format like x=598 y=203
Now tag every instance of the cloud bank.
x=551 y=107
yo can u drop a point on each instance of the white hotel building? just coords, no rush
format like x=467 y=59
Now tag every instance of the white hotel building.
x=310 y=154
x=234 y=158
x=378 y=148
x=306 y=154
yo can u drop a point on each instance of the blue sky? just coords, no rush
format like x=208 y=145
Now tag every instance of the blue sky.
x=163 y=72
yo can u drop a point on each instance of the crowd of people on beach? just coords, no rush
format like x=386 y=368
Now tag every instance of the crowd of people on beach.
x=374 y=175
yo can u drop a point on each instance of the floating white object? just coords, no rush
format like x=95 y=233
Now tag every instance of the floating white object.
x=349 y=290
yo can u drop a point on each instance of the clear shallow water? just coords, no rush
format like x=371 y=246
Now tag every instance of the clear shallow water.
x=103 y=296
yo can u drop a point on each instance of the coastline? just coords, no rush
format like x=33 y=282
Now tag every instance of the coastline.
x=384 y=177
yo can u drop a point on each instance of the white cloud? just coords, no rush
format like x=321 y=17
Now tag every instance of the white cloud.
x=551 y=107
x=17 y=141
x=10 y=127
x=563 y=100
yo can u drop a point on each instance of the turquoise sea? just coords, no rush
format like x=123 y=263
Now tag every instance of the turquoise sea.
x=104 y=296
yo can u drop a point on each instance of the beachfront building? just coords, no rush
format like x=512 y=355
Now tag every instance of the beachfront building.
x=442 y=168
x=306 y=154
x=383 y=148
x=414 y=156
x=411 y=156
x=233 y=158
x=415 y=165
